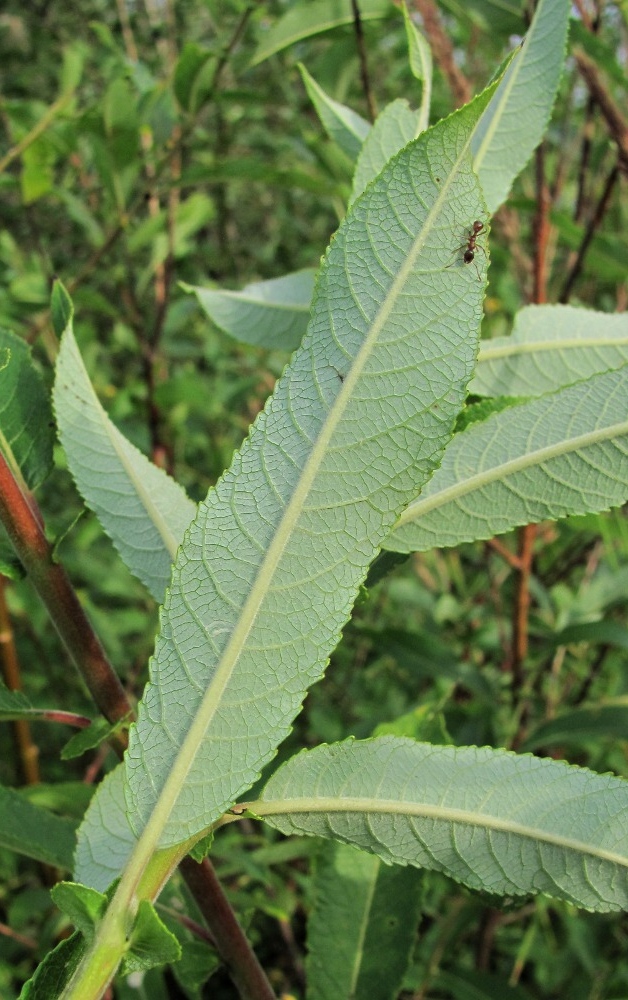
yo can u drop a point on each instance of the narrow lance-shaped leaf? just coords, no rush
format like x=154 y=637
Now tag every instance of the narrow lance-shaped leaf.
x=514 y=123
x=493 y=820
x=342 y=124
x=420 y=57
x=361 y=927
x=550 y=347
x=141 y=508
x=270 y=568
x=566 y=453
x=313 y=17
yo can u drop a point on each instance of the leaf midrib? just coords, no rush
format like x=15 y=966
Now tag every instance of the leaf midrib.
x=504 y=470
x=447 y=814
x=489 y=353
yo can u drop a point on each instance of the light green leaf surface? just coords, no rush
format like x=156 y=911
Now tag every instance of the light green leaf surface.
x=393 y=129
x=271 y=314
x=142 y=509
x=361 y=927
x=343 y=125
x=505 y=823
x=100 y=857
x=591 y=722
x=82 y=905
x=270 y=568
x=566 y=453
x=37 y=833
x=514 y=122
x=151 y=942
x=420 y=58
x=307 y=18
x=550 y=347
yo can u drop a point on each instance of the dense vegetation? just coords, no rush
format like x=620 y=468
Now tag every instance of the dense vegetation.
x=155 y=160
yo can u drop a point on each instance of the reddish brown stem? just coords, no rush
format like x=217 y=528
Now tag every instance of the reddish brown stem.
x=527 y=536
x=541 y=229
x=235 y=950
x=54 y=588
x=28 y=751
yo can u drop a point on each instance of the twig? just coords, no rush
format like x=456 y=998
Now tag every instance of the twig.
x=28 y=751
x=617 y=124
x=234 y=949
x=54 y=588
x=35 y=132
x=594 y=223
x=541 y=229
x=364 y=72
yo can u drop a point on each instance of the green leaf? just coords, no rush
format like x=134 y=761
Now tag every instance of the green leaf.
x=101 y=856
x=82 y=905
x=271 y=314
x=566 y=453
x=550 y=347
x=142 y=509
x=26 y=429
x=89 y=738
x=601 y=632
x=151 y=942
x=500 y=822
x=420 y=57
x=343 y=126
x=190 y=76
x=313 y=17
x=34 y=832
x=603 y=721
x=515 y=120
x=13 y=704
x=55 y=971
x=271 y=566
x=37 y=174
x=362 y=925
x=394 y=128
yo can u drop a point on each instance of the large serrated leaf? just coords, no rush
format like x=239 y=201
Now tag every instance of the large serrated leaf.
x=270 y=568
x=550 y=347
x=493 y=820
x=142 y=509
x=565 y=453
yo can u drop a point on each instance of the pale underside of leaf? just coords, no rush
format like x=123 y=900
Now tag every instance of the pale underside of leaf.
x=566 y=453
x=497 y=821
x=143 y=510
x=269 y=569
x=550 y=347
